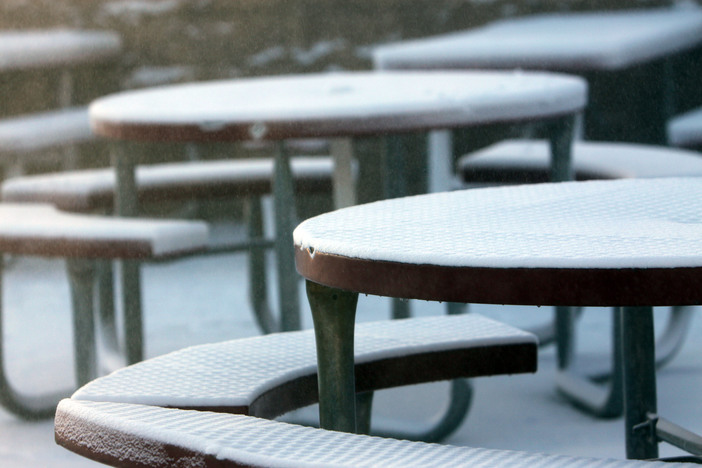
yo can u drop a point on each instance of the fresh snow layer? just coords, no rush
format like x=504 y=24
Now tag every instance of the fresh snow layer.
x=418 y=100
x=234 y=373
x=556 y=41
x=636 y=223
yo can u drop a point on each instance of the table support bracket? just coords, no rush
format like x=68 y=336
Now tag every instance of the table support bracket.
x=675 y=435
x=599 y=393
x=28 y=407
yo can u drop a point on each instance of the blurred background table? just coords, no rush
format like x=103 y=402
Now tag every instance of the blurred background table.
x=335 y=105
x=638 y=52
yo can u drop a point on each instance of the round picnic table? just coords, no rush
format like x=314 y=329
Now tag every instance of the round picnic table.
x=336 y=106
x=331 y=105
x=622 y=49
x=632 y=244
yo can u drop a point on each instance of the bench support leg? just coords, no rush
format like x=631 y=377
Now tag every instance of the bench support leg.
x=600 y=393
x=364 y=411
x=106 y=307
x=605 y=401
x=82 y=277
x=334 y=315
x=24 y=406
x=258 y=284
x=131 y=296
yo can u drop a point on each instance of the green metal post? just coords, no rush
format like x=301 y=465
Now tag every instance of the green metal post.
x=640 y=401
x=561 y=144
x=364 y=411
x=334 y=315
x=284 y=202
x=126 y=204
x=81 y=273
x=258 y=285
x=106 y=305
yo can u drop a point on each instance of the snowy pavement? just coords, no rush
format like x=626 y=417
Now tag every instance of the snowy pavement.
x=203 y=300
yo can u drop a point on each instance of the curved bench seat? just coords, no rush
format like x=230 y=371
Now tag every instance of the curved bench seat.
x=250 y=179
x=527 y=161
x=42 y=230
x=122 y=434
x=686 y=129
x=269 y=375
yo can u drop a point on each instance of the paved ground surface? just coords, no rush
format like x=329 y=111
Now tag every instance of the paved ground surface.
x=204 y=300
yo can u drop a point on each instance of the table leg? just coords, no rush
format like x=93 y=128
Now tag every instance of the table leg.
x=126 y=204
x=640 y=401
x=284 y=204
x=395 y=185
x=344 y=180
x=106 y=306
x=560 y=133
x=334 y=315
x=395 y=177
x=561 y=143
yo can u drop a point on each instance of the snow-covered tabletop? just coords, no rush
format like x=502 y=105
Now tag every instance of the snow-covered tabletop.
x=334 y=104
x=634 y=243
x=558 y=41
x=577 y=243
x=55 y=47
x=327 y=105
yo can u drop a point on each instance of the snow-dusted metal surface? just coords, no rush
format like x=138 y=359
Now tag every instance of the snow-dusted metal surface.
x=556 y=41
x=55 y=47
x=613 y=160
x=43 y=130
x=235 y=373
x=345 y=102
x=686 y=129
x=141 y=433
x=630 y=223
x=37 y=222
x=79 y=190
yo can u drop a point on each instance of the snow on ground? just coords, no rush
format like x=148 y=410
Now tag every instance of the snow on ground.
x=203 y=300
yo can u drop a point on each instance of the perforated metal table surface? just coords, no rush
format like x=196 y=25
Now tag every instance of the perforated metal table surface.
x=624 y=243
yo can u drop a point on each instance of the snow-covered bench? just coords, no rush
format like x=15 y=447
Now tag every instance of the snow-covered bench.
x=685 y=130
x=42 y=230
x=122 y=434
x=30 y=136
x=270 y=375
x=176 y=409
x=34 y=134
x=248 y=179
x=267 y=376
x=93 y=189
x=522 y=161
